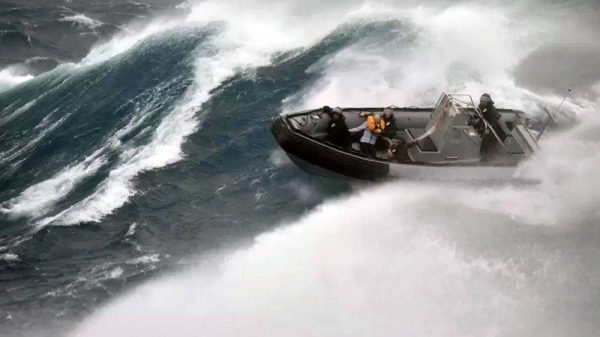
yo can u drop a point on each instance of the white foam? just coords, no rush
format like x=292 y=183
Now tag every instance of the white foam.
x=568 y=195
x=146 y=259
x=38 y=199
x=345 y=269
x=448 y=55
x=45 y=121
x=303 y=190
x=123 y=42
x=424 y=262
x=9 y=257
x=184 y=5
x=114 y=274
x=81 y=19
x=279 y=158
x=12 y=76
x=282 y=25
x=568 y=167
x=131 y=230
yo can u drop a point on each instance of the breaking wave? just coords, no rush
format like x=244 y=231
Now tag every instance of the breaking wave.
x=11 y=76
x=431 y=260
x=406 y=257
x=413 y=258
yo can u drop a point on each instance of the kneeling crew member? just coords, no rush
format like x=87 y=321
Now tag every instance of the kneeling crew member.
x=372 y=127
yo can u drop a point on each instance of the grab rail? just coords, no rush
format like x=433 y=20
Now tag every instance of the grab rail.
x=488 y=126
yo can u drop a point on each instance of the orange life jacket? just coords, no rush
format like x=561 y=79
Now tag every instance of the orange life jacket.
x=373 y=126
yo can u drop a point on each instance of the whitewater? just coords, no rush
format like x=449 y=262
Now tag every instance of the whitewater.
x=147 y=172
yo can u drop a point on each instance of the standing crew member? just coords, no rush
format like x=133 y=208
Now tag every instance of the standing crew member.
x=488 y=110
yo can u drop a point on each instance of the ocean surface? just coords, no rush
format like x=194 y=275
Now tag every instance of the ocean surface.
x=142 y=194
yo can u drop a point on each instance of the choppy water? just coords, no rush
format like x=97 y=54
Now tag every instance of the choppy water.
x=141 y=192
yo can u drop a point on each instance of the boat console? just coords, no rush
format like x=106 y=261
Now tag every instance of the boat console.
x=449 y=135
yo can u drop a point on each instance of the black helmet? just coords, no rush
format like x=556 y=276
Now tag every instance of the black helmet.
x=326 y=109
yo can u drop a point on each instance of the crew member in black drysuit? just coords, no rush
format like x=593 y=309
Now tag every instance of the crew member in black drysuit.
x=325 y=111
x=489 y=141
x=392 y=140
x=337 y=130
x=391 y=129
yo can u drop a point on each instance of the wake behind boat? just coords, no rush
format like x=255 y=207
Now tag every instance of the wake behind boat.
x=440 y=143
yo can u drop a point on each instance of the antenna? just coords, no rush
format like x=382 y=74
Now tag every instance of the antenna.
x=564 y=98
x=550 y=115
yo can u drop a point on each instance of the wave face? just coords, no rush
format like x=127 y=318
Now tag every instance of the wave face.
x=37 y=35
x=150 y=159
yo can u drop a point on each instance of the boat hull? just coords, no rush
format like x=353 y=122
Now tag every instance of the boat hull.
x=319 y=158
x=319 y=154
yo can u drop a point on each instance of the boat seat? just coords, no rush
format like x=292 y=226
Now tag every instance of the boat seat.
x=380 y=154
x=426 y=144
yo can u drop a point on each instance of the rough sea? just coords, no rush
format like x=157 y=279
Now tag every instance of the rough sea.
x=142 y=194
